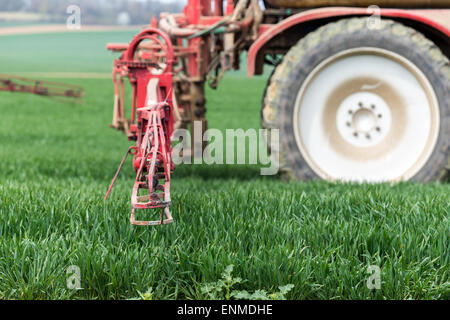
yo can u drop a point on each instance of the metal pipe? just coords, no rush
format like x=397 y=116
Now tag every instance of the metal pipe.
x=239 y=10
x=169 y=26
x=218 y=7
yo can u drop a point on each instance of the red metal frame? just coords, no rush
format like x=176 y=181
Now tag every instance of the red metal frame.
x=437 y=19
x=151 y=123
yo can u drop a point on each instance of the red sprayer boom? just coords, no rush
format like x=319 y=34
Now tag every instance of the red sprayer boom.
x=151 y=79
x=165 y=96
x=55 y=90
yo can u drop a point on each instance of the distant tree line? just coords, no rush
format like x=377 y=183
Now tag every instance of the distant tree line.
x=136 y=12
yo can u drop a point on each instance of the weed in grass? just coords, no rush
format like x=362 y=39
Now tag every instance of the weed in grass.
x=221 y=290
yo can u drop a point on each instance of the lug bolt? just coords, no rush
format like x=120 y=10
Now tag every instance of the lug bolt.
x=355 y=134
x=368 y=136
x=360 y=104
x=378 y=129
x=373 y=107
x=380 y=115
x=348 y=124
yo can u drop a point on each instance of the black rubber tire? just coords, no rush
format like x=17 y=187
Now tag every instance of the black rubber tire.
x=286 y=81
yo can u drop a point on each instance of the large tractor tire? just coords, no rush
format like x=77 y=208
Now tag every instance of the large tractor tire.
x=354 y=103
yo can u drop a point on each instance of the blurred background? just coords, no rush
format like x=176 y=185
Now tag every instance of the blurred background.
x=94 y=12
x=36 y=38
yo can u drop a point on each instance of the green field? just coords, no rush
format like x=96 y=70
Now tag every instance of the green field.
x=58 y=159
x=59 y=52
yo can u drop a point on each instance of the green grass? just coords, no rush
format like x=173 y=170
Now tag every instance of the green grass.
x=60 y=52
x=57 y=161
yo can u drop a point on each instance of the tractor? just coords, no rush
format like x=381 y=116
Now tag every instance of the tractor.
x=360 y=89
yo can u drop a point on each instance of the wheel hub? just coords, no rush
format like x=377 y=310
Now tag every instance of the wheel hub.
x=354 y=123
x=363 y=119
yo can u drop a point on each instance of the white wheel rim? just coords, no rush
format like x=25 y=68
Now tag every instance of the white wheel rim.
x=366 y=114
